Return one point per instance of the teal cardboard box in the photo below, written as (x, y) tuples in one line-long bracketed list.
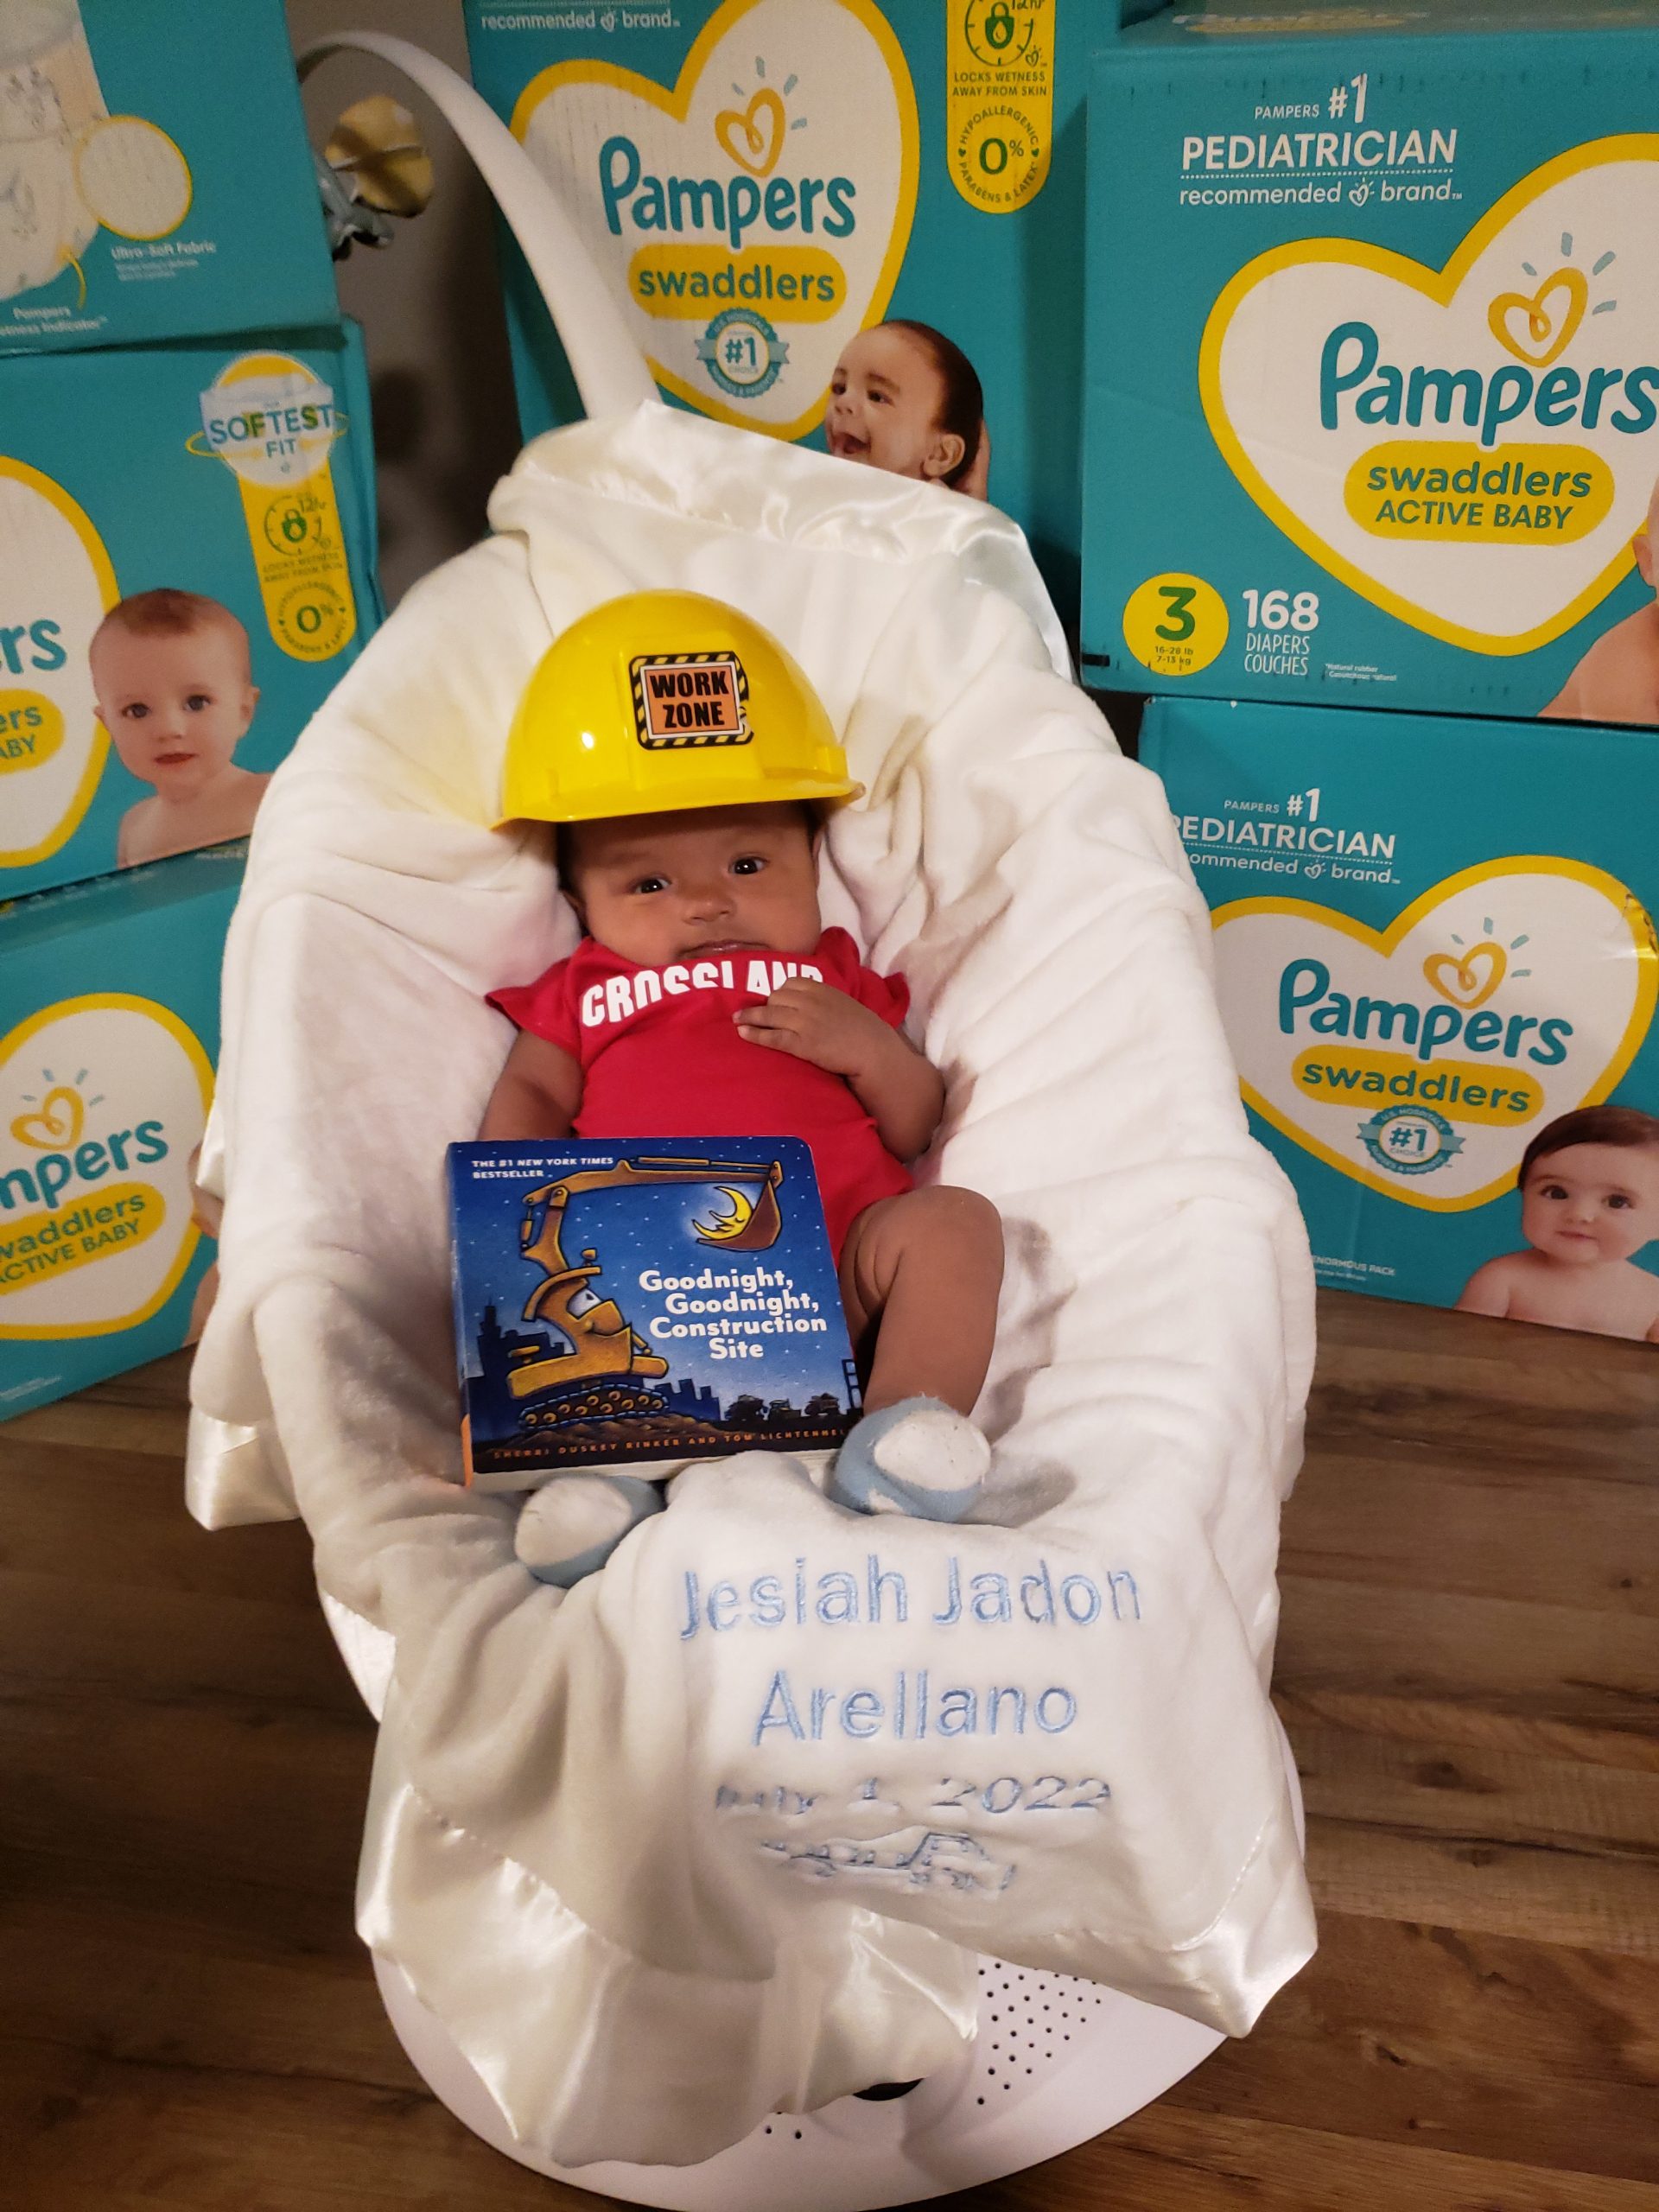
[(219, 498), (154, 177), (109, 1030), (762, 179), (1373, 357), (1436, 965)]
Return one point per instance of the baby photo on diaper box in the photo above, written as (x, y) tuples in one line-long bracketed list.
[(187, 551), (620, 1304), (109, 1030), (1373, 408), (1437, 967), (154, 177), (835, 220)]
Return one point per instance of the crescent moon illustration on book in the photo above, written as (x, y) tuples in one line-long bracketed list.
[(723, 1228)]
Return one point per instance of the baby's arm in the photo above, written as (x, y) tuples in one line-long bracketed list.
[(900, 1091), (1487, 1290), (537, 1093)]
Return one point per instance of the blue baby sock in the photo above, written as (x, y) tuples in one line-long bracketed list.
[(919, 1457), (570, 1527)]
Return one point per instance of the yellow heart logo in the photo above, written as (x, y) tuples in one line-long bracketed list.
[(1476, 974), (1550, 336), (770, 187), (1330, 1023), (1338, 376), (761, 144), (114, 1207), (57, 1126), (49, 551)]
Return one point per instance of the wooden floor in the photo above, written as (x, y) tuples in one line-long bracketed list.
[(1469, 1669)]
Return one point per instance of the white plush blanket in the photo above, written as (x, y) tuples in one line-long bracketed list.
[(651, 1857)]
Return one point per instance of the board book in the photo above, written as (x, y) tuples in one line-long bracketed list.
[(642, 1303)]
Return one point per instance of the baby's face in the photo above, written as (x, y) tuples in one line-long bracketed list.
[(885, 398), (1590, 1203), (174, 707), (660, 887)]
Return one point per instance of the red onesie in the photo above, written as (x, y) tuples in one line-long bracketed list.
[(660, 1057)]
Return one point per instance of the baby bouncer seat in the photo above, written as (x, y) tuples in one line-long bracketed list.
[(645, 1867)]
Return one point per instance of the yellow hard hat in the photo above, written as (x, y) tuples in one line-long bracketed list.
[(664, 700)]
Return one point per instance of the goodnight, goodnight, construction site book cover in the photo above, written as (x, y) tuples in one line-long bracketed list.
[(645, 1300)]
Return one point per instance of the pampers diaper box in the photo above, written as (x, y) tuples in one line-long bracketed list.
[(219, 499), (1373, 343), (154, 176), (109, 1028), (762, 179), (1436, 963)]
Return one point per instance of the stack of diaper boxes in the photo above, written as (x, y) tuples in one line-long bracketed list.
[(1372, 443), (184, 436), (761, 179)]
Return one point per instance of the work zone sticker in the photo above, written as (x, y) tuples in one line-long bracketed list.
[(683, 699)]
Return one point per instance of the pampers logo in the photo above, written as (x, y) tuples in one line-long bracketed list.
[(104, 1098), (60, 1120), (682, 204), (757, 212), (1419, 1060), (1522, 383)]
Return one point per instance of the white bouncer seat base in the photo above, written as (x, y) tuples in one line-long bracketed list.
[(1056, 2062)]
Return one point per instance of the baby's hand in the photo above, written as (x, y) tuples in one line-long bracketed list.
[(899, 1090), (816, 1022)]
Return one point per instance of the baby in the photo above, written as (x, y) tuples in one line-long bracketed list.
[(1589, 1187), (174, 683), (1617, 680), (697, 907), (904, 399)]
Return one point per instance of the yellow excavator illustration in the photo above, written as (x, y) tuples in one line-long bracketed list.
[(591, 1378)]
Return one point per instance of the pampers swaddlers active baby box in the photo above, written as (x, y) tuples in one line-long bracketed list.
[(1382, 428), (827, 1766)]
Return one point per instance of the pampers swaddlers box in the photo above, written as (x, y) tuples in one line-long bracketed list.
[(763, 178), (1373, 408), (1434, 941), (109, 1029), (238, 471), (154, 177)]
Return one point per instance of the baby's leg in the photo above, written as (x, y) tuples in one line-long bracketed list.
[(919, 1277)]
